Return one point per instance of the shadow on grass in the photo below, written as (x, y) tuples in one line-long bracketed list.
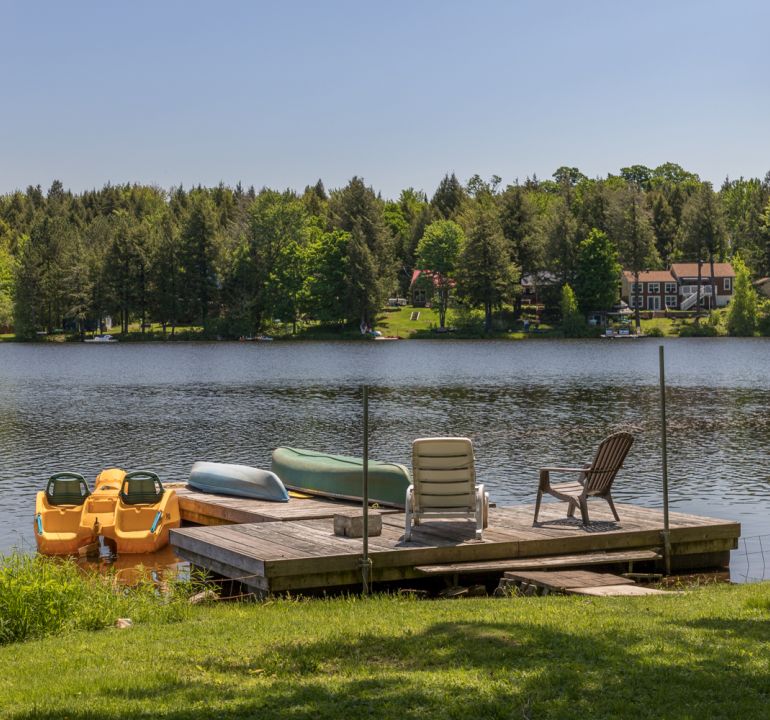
[(459, 670)]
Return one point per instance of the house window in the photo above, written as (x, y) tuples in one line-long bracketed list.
[(653, 288), (636, 301), (637, 288), (670, 289), (653, 302), (728, 283), (671, 301)]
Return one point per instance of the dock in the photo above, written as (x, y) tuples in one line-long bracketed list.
[(278, 547)]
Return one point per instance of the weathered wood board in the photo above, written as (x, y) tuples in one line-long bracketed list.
[(302, 552), (210, 509)]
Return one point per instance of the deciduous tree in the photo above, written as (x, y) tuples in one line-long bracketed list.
[(438, 251), (598, 273)]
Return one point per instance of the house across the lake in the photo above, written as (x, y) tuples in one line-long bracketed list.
[(535, 285), (677, 288), (423, 285)]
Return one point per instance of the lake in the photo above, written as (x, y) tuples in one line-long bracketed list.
[(524, 404)]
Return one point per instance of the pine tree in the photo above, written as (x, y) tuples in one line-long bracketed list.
[(449, 197), (634, 237), (356, 210), (199, 257), (486, 276)]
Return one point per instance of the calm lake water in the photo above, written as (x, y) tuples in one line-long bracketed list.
[(524, 404)]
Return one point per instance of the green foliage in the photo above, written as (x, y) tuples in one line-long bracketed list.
[(439, 251), (742, 312), (573, 322), (449, 197), (199, 259), (42, 596), (326, 286), (485, 274), (696, 330), (369, 273), (598, 273), (519, 223), (230, 260)]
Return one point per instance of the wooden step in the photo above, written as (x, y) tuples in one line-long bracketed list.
[(573, 582), (541, 563)]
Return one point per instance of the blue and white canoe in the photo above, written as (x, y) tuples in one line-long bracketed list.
[(237, 480)]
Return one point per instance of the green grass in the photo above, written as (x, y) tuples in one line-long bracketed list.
[(698, 655), (42, 596)]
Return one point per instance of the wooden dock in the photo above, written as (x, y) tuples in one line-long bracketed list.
[(274, 547)]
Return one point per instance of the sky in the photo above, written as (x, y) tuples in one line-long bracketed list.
[(398, 92)]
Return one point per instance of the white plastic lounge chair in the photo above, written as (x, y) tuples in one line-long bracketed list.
[(444, 483)]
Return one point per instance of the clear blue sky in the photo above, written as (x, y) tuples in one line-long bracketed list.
[(399, 92)]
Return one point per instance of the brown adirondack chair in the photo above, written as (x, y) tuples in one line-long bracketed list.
[(594, 480)]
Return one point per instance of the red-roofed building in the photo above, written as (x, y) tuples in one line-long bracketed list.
[(423, 285), (677, 288), (686, 275), (656, 290)]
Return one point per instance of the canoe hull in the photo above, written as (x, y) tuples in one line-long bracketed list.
[(237, 480), (340, 476)]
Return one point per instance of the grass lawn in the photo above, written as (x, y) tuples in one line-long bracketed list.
[(699, 655), (397, 321)]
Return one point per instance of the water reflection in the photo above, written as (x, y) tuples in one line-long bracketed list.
[(524, 404)]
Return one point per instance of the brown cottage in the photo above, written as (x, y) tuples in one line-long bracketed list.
[(657, 290), (677, 289)]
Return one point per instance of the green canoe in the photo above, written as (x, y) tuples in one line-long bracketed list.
[(338, 476)]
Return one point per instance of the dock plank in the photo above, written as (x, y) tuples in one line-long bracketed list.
[(557, 561)]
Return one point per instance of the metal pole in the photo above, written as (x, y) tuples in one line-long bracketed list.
[(664, 449), (365, 494)]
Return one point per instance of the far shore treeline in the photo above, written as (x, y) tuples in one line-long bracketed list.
[(232, 260)]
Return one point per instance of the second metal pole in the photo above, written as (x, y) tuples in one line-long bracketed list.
[(365, 494), (664, 449)]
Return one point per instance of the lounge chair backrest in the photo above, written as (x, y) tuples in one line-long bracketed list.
[(443, 474), (141, 487), (608, 460), (67, 488)]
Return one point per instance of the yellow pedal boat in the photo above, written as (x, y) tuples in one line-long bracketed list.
[(144, 514), (59, 515), (131, 511)]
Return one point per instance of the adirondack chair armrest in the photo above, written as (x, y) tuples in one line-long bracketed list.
[(565, 469)]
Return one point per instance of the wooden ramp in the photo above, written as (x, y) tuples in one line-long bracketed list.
[(304, 554), (574, 582)]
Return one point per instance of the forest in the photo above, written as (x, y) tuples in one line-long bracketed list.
[(232, 261)]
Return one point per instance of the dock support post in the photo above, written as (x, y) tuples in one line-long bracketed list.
[(365, 563), (664, 450)]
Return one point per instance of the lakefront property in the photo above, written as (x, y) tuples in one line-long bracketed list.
[(678, 287)]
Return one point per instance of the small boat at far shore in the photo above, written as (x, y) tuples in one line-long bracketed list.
[(339, 476), (101, 339), (237, 480)]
